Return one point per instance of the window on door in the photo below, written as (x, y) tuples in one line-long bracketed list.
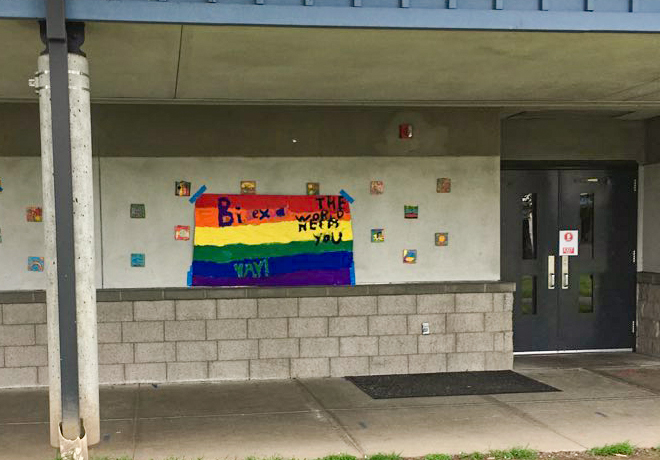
[(529, 226)]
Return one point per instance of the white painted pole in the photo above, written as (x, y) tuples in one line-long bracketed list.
[(83, 207)]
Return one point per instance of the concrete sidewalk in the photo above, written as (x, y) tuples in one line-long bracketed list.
[(604, 399)]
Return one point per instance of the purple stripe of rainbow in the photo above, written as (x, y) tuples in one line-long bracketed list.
[(302, 278)]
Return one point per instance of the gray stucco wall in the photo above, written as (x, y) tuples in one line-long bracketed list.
[(650, 223), (466, 213), (462, 144), (257, 131), (573, 138), (470, 214), (319, 131), (21, 182), (653, 140)]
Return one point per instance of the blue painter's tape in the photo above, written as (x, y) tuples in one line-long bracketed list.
[(190, 278), (349, 198), (197, 194)]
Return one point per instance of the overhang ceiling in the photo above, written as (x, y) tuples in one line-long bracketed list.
[(229, 64)]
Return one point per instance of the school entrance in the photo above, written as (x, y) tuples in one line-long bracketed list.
[(569, 238)]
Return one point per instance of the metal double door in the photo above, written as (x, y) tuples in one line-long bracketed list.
[(577, 302)]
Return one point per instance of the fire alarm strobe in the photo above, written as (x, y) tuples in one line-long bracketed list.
[(405, 131)]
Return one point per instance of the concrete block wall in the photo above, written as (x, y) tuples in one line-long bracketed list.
[(648, 314), (23, 350), (274, 337)]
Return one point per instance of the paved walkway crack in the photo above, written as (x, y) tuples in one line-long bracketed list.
[(331, 418), (525, 416)]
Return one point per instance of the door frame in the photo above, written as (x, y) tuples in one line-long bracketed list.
[(533, 165)]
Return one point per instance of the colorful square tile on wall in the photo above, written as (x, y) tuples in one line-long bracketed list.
[(377, 235), (410, 256), (313, 188), (137, 260), (182, 232), (35, 264), (377, 187), (182, 188), (444, 185), (248, 187), (410, 212), (33, 214), (442, 239), (138, 211)]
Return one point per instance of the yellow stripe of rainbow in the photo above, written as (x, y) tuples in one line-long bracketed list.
[(281, 232)]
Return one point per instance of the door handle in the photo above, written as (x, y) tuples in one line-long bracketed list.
[(551, 272), (565, 278)]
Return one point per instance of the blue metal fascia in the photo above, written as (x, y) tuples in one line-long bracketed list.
[(22, 9), (326, 16)]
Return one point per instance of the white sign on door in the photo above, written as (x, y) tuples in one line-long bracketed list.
[(568, 243)]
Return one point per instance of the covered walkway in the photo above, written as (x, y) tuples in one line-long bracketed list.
[(605, 398)]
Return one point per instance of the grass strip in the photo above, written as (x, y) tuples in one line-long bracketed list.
[(622, 448), (517, 453), (339, 457), (381, 456), (438, 457)]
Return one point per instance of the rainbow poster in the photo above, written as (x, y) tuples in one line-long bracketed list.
[(272, 240)]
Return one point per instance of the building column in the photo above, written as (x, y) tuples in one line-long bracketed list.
[(83, 243)]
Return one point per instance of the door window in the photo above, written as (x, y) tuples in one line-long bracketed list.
[(586, 297), (587, 225), (529, 226), (528, 295)]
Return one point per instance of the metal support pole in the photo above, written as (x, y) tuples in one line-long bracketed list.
[(57, 43), (83, 224)]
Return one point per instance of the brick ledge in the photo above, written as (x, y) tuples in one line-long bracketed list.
[(115, 295)]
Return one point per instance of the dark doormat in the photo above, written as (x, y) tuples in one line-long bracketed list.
[(447, 384)]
